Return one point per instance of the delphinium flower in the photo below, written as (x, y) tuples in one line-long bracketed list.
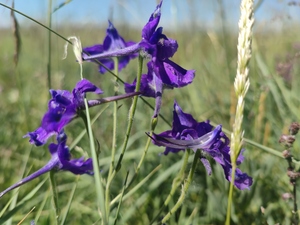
[(63, 107), (162, 72), (112, 41), (60, 160), (187, 133)]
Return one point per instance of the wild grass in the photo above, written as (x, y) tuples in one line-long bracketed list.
[(271, 104)]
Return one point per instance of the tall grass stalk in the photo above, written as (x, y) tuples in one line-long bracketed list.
[(241, 86)]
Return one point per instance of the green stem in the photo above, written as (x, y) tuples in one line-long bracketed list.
[(176, 182), (185, 188), (121, 198), (114, 140), (229, 203), (131, 116), (55, 196), (97, 175)]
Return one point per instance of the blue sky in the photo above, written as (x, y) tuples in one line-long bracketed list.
[(206, 13)]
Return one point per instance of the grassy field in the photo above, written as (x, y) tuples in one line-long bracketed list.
[(272, 103)]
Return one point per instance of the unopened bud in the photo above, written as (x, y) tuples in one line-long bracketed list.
[(286, 154), (287, 140), (286, 196), (294, 128)]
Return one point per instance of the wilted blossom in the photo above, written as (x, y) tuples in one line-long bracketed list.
[(60, 160), (187, 133), (112, 41), (62, 108)]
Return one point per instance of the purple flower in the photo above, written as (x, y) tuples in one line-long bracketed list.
[(62, 108), (60, 160), (188, 133), (112, 41), (162, 72)]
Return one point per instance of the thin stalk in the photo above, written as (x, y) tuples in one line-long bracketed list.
[(49, 43), (70, 201), (295, 212), (131, 116), (55, 195), (121, 198), (185, 188), (114, 139), (30, 18), (230, 194), (97, 175), (176, 182)]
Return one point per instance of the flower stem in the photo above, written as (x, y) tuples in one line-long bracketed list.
[(55, 196), (229, 203), (114, 140), (176, 182), (185, 188), (97, 175), (131, 116)]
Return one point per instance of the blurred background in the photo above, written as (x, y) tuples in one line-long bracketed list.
[(206, 32)]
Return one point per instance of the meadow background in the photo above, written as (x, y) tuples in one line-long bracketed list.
[(272, 103)]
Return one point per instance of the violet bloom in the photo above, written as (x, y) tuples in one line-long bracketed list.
[(162, 72), (112, 41), (60, 160), (62, 108), (188, 133)]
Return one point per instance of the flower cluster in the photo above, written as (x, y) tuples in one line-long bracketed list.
[(186, 133)]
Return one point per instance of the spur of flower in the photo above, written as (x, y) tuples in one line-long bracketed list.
[(187, 133), (112, 41), (60, 160), (63, 107)]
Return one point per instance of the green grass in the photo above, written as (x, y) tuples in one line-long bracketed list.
[(271, 105)]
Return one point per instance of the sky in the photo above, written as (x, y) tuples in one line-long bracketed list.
[(175, 13)]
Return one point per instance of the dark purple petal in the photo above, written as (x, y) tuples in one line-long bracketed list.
[(241, 180), (182, 120), (150, 27), (93, 50), (84, 86), (146, 88), (172, 75), (111, 44)]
